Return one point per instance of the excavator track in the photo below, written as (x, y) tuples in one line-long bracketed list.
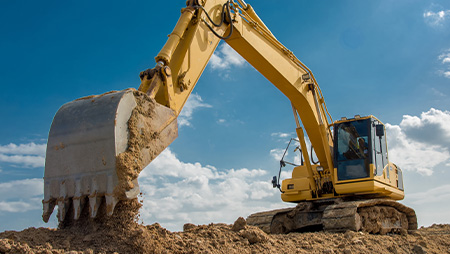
[(377, 216), (263, 220)]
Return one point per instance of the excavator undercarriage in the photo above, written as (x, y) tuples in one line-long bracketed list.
[(377, 216)]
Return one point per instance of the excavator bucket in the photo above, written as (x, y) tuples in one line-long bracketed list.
[(97, 147)]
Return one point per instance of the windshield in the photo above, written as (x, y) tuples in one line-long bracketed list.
[(353, 141), (352, 152)]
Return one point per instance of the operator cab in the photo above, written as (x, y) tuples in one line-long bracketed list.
[(359, 146)]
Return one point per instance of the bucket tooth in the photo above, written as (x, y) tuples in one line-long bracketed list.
[(94, 204), (78, 205), (63, 201), (63, 206), (78, 200), (48, 206), (111, 200), (111, 203)]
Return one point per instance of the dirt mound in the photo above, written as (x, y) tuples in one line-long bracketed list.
[(122, 234)]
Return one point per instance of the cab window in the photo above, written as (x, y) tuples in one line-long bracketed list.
[(352, 152)]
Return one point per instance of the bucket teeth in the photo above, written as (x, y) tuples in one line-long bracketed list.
[(94, 204), (48, 209)]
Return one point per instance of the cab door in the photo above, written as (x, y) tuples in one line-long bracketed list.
[(380, 148)]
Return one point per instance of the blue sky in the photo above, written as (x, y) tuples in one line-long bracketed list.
[(387, 58)]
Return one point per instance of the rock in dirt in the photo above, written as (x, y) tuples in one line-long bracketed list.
[(417, 249), (239, 224), (254, 235), (188, 226)]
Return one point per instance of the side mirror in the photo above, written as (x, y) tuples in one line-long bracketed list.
[(379, 129), (274, 182)]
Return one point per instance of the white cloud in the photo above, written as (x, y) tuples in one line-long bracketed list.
[(444, 58), (434, 195), (193, 103), (177, 192), (168, 165), (28, 149), (420, 143), (24, 160), (277, 153), (13, 207), (436, 18), (282, 135), (432, 127), (26, 155), (21, 188), (431, 205), (21, 195), (225, 57)]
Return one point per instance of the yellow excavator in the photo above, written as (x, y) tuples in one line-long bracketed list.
[(98, 145)]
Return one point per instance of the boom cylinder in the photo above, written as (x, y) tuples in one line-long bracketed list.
[(174, 38)]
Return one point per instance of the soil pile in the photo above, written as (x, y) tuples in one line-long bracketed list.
[(122, 234)]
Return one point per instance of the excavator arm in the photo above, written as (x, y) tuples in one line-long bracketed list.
[(98, 145)]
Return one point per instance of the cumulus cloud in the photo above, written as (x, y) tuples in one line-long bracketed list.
[(436, 17), (177, 192), (193, 103), (420, 143), (21, 195), (225, 57), (26, 155), (432, 127)]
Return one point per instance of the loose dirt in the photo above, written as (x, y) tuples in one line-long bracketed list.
[(151, 129), (122, 234), (130, 163)]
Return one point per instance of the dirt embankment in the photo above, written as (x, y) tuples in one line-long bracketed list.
[(121, 234)]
